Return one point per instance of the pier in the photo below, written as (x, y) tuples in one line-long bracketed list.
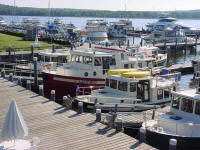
[(61, 128)]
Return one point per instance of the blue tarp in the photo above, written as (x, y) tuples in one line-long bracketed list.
[(52, 27)]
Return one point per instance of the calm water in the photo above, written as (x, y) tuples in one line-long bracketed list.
[(137, 23)]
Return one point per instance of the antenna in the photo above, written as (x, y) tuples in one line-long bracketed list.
[(49, 9)]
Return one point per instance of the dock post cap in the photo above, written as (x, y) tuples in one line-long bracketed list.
[(98, 111), (142, 130), (119, 120), (10, 74), (64, 97), (173, 142), (53, 91), (80, 103), (41, 87), (35, 58)]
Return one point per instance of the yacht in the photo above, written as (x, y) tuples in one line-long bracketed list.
[(181, 122), (167, 21), (2, 22), (131, 86), (47, 60), (149, 54), (166, 34), (96, 30), (117, 30)]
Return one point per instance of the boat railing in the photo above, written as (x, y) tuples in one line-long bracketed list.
[(87, 90)]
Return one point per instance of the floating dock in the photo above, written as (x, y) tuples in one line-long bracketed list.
[(60, 128)]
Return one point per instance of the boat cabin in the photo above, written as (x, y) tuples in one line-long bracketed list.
[(135, 85)]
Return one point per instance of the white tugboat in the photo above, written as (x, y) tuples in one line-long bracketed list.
[(129, 86), (182, 122)]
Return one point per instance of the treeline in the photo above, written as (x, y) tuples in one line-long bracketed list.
[(61, 12)]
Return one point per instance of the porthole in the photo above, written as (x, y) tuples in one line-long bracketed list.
[(94, 73), (86, 74)]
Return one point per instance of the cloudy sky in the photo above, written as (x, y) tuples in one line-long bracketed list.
[(132, 5)]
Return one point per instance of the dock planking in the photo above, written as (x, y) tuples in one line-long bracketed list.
[(59, 128)]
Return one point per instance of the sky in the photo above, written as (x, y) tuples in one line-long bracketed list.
[(129, 5)]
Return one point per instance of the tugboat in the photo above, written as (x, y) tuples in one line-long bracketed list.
[(131, 86), (182, 122)]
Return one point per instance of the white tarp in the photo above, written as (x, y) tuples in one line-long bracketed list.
[(14, 125)]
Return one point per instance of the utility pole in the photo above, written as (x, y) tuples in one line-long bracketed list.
[(13, 10)]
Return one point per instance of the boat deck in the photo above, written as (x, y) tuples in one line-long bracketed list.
[(59, 128)]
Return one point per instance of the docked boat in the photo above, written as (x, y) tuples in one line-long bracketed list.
[(162, 34), (167, 21), (96, 30), (47, 60), (182, 122), (2, 22), (86, 69), (117, 30), (131, 86), (146, 55)]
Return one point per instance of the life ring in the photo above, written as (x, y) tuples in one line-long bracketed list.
[(47, 66)]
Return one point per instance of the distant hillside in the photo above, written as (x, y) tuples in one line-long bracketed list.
[(67, 12)]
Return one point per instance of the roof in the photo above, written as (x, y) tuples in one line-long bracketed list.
[(56, 54), (188, 93), (90, 53)]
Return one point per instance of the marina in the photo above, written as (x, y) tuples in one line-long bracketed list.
[(82, 78)]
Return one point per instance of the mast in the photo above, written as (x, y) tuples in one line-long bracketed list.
[(49, 9), (13, 11)]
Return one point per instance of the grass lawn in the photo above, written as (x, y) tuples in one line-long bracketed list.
[(16, 42)]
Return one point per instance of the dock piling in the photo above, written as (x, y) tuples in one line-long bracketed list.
[(32, 52), (3, 74), (80, 107), (53, 48), (53, 95), (41, 90), (28, 85), (172, 144), (9, 52), (10, 77), (142, 134), (153, 114), (94, 108), (98, 115), (119, 124), (19, 81), (35, 72)]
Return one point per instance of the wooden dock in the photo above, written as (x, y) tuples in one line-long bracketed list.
[(59, 128)]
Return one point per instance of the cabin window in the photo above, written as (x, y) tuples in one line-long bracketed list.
[(132, 87), (73, 58), (197, 109), (107, 82), (78, 59), (175, 102), (47, 59), (112, 61), (54, 59), (187, 105), (160, 94), (113, 84), (126, 66), (97, 61), (122, 86), (87, 60), (140, 65), (132, 66), (166, 93)]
